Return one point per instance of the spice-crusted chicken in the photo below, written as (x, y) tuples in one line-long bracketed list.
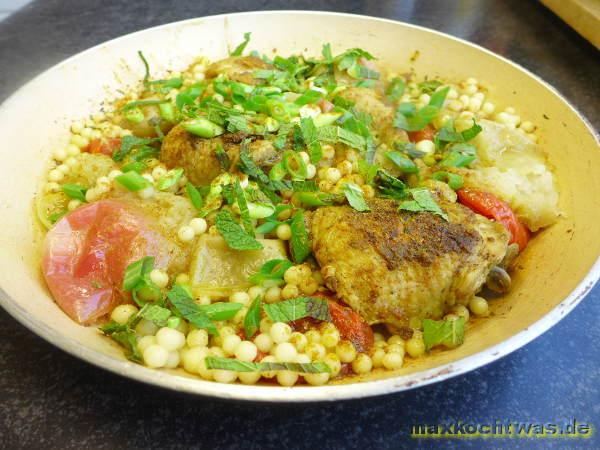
[(198, 158), (237, 68), (391, 266)]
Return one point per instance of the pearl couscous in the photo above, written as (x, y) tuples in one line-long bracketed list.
[(291, 220)]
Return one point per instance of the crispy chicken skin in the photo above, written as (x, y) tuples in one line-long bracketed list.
[(237, 68), (198, 158), (391, 266)]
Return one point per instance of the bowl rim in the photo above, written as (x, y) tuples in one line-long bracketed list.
[(301, 393)]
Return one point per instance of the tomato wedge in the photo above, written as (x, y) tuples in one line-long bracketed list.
[(490, 206), (106, 147), (426, 133), (352, 327), (86, 254)]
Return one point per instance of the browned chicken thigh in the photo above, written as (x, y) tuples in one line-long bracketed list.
[(392, 266)]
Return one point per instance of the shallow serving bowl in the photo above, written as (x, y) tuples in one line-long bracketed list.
[(556, 271)]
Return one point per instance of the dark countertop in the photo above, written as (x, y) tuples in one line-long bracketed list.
[(49, 399)]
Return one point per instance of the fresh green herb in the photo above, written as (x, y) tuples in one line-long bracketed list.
[(260, 210), (241, 47), (185, 306), (422, 201), (134, 115), (126, 337), (252, 318), (214, 362), (170, 179), (234, 235), (194, 196), (310, 135), (334, 134), (74, 191), (221, 310), (299, 242), (454, 180), (403, 163), (298, 308), (354, 195), (449, 333), (189, 96), (459, 155), (155, 313), (310, 96), (390, 186), (140, 103), (395, 89), (448, 134), (367, 171), (133, 181), (272, 270), (137, 273), (243, 206), (410, 119), (146, 66), (317, 198), (429, 86), (128, 143)]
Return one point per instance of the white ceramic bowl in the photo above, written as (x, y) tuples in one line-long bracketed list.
[(556, 271)]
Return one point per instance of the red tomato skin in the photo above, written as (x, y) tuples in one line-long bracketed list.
[(106, 147), (426, 133), (490, 206), (351, 326), (86, 254)]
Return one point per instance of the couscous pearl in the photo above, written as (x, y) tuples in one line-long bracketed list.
[(122, 313), (452, 94), (311, 171), (298, 340), (464, 99), (293, 275), (471, 80), (345, 167), (346, 351), (246, 351), (328, 151), (114, 174), (377, 356), (73, 204), (309, 286), (316, 379), (52, 187), (265, 325), (144, 342), (146, 193), (474, 104), (79, 141), (380, 344), (395, 348), (263, 342), (285, 352), (313, 336), (217, 351), (488, 108), (76, 127), (287, 377), (59, 154), (146, 328), (191, 358), (461, 311), (424, 98), (63, 168), (471, 89), (305, 157), (426, 146), (72, 162), (455, 105), (73, 150), (333, 175), (182, 278), (158, 172), (280, 332), (159, 278), (273, 294), (479, 306), (378, 337), (197, 338), (315, 350), (55, 175), (239, 297), (393, 361), (330, 338), (155, 356), (204, 371), (527, 126), (395, 339), (224, 376), (230, 343), (362, 364), (186, 233), (415, 347), (173, 360), (199, 225), (510, 110), (284, 232), (249, 377), (334, 363), (290, 291), (203, 300), (255, 291), (170, 339)]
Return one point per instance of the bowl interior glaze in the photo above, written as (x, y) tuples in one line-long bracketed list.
[(553, 274)]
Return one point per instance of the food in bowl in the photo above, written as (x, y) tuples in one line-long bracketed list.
[(291, 218)]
